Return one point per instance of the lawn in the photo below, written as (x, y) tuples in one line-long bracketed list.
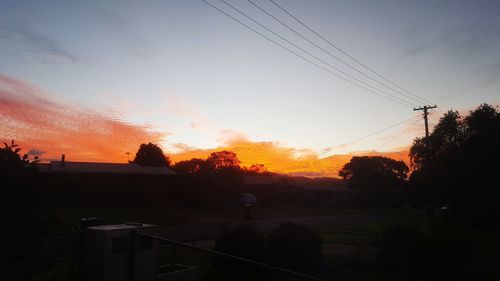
[(480, 248)]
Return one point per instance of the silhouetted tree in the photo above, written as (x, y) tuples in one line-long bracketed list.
[(459, 162), (190, 167), (151, 155), (256, 169), (18, 179), (442, 143), (214, 181), (10, 159), (375, 177), (223, 159), (13, 166), (224, 166)]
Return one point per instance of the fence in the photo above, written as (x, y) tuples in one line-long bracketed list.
[(215, 265)]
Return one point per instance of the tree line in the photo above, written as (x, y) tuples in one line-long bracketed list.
[(456, 165)]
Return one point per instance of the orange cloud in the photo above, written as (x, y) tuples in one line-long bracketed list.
[(37, 123), (43, 126), (286, 160)]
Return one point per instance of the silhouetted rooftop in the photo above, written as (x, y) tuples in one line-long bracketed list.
[(102, 168)]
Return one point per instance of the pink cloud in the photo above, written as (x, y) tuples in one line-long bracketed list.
[(33, 119)]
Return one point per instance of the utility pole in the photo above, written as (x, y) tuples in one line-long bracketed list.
[(424, 109)]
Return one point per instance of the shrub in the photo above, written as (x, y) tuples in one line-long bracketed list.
[(243, 241), (404, 250), (295, 247), (400, 247)]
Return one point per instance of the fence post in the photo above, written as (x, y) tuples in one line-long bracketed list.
[(132, 254)]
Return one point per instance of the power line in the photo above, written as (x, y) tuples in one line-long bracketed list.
[(315, 57), (389, 97), (378, 132), (346, 54), (397, 137), (330, 54)]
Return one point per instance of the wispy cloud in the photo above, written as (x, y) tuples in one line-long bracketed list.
[(179, 106), (35, 151), (229, 136), (28, 115), (121, 26), (36, 45)]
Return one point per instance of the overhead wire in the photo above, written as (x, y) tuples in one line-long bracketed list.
[(397, 137), (405, 103), (369, 89), (348, 55), (315, 57), (330, 54), (379, 131)]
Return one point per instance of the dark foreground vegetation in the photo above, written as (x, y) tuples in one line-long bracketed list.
[(454, 180)]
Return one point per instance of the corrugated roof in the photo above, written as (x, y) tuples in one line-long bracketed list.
[(103, 168)]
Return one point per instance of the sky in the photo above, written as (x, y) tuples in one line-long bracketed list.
[(94, 79)]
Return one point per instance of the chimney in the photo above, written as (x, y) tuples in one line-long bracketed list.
[(63, 158)]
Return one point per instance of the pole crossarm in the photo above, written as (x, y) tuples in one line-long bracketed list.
[(425, 109)]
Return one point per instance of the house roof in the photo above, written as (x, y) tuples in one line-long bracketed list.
[(102, 168)]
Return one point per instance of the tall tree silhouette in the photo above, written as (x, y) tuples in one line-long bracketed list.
[(459, 162), (151, 155), (374, 177), (223, 159)]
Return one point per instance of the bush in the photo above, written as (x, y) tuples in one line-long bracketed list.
[(296, 247), (443, 257), (243, 241), (404, 251), (400, 247)]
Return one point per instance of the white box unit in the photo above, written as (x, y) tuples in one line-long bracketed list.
[(107, 253)]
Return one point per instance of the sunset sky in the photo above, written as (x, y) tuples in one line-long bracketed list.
[(94, 79)]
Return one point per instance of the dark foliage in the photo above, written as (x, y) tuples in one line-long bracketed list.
[(151, 155), (18, 177), (376, 178), (257, 169), (243, 241), (443, 257), (405, 251), (296, 247), (400, 247), (12, 164), (191, 167), (458, 163), (223, 159), (213, 182)]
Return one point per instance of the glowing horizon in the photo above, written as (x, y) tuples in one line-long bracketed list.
[(48, 129), (94, 80)]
